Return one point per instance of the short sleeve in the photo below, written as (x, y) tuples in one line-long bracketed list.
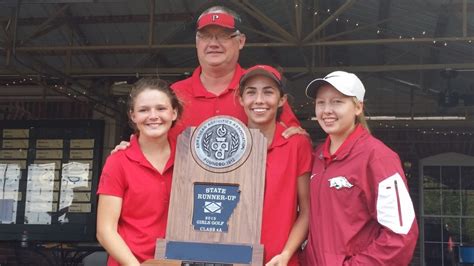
[(112, 180), (305, 155)]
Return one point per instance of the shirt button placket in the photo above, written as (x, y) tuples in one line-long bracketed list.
[(216, 106)]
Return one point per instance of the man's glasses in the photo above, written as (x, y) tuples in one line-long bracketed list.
[(220, 37)]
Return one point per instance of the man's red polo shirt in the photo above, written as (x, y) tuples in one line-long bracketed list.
[(200, 104)]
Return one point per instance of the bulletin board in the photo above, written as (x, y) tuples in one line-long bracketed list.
[(49, 172)]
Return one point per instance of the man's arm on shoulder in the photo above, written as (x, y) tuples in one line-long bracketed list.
[(122, 145)]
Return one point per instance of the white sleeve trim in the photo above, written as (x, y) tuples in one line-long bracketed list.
[(394, 205)]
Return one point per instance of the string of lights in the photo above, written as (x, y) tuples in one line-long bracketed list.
[(301, 108), (388, 33)]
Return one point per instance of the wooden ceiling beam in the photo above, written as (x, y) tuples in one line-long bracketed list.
[(260, 16), (464, 18), (82, 39), (47, 25), (166, 17), (91, 72), (151, 23), (298, 10), (147, 48), (330, 19)]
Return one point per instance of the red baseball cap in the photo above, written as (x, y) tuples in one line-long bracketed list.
[(262, 70), (219, 19)]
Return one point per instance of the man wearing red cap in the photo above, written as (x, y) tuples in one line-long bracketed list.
[(210, 91)]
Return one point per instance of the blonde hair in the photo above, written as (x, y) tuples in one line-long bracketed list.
[(360, 119)]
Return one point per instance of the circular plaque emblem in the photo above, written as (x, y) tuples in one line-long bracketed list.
[(221, 144)]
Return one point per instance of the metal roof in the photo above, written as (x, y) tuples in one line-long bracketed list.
[(399, 48)]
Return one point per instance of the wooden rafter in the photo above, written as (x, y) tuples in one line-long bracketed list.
[(146, 48), (361, 28), (100, 72), (155, 58), (464, 18), (297, 25), (151, 23), (81, 38), (441, 29), (268, 35), (260, 16), (47, 25), (384, 14), (331, 18), (298, 18), (7, 43), (315, 50), (258, 28), (143, 18), (7, 29), (157, 55), (4, 35), (392, 41)]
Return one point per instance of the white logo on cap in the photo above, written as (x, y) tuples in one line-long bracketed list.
[(215, 17), (330, 76)]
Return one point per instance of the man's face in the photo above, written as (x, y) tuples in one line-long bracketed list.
[(218, 47)]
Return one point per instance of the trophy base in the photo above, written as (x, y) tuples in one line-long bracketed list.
[(162, 262), (201, 253)]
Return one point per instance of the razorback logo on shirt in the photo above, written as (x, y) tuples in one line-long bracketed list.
[(339, 182)]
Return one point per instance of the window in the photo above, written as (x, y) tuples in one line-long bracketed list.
[(447, 218)]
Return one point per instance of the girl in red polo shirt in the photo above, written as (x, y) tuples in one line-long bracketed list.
[(135, 184), (286, 200), (361, 212)]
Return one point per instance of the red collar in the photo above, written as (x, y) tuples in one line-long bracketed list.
[(134, 153), (278, 139), (200, 91), (346, 146)]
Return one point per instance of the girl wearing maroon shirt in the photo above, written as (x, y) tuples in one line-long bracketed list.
[(135, 184), (287, 167), (361, 212)]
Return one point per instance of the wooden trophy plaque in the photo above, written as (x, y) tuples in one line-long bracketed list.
[(215, 213)]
